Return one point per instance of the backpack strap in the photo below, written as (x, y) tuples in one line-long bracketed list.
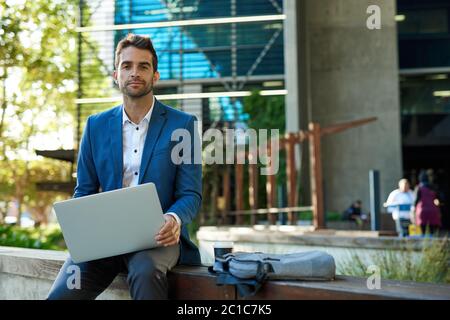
[(245, 287)]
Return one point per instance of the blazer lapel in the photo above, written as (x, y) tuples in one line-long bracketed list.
[(115, 131), (156, 124)]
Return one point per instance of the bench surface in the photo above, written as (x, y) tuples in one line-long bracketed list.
[(193, 283)]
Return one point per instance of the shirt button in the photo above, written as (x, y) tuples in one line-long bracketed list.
[(135, 150), (135, 173), (137, 128)]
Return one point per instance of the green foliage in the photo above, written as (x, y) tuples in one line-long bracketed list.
[(49, 238), (432, 264), (333, 216), (192, 229), (308, 215), (266, 112), (39, 53)]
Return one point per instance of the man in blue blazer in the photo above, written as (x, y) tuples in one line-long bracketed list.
[(126, 146)]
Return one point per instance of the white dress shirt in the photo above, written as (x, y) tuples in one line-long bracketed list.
[(133, 146), (397, 198)]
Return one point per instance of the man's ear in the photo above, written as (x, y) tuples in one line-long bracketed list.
[(156, 77), (114, 75)]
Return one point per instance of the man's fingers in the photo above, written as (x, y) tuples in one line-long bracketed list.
[(165, 240), (166, 227), (165, 237), (165, 232), (168, 238), (172, 233), (168, 241), (169, 233)]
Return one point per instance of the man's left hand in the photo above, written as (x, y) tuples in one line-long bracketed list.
[(169, 234)]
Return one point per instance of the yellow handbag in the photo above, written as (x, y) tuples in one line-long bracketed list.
[(414, 230)]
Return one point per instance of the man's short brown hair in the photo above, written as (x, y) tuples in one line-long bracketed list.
[(137, 41)]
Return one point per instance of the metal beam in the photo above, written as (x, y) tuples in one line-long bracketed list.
[(183, 23)]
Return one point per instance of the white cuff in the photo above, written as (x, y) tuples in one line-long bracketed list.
[(176, 217)]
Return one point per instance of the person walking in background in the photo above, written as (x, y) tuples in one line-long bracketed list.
[(426, 211), (399, 203)]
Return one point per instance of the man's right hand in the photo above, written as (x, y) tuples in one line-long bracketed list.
[(170, 232)]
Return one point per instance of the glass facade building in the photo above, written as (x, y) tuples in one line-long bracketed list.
[(206, 51), (218, 51), (424, 59), (230, 47), (221, 46)]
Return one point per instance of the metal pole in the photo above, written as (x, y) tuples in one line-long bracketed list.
[(374, 185), (80, 88), (316, 176), (79, 75), (181, 53)]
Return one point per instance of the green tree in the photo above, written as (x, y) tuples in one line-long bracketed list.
[(38, 74), (267, 112)]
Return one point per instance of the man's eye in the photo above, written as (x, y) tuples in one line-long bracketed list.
[(126, 66)]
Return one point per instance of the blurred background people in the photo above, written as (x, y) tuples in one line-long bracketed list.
[(354, 213), (399, 203), (426, 211)]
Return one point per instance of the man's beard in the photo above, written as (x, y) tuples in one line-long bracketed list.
[(137, 94)]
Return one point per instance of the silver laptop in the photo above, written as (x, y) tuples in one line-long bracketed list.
[(110, 223)]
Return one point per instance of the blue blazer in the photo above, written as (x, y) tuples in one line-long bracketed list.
[(179, 186)]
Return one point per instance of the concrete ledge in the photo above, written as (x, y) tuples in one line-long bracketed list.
[(28, 274), (306, 236)]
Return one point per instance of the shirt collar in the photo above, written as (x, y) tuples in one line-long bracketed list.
[(147, 116)]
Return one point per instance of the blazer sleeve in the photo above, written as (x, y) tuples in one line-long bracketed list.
[(87, 179), (188, 180)]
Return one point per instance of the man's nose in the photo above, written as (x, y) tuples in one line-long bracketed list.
[(134, 72)]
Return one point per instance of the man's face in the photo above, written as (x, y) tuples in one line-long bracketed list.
[(403, 186), (135, 75)]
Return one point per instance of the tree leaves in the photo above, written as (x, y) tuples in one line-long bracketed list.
[(37, 59)]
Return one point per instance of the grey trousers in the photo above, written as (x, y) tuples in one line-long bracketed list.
[(147, 275)]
